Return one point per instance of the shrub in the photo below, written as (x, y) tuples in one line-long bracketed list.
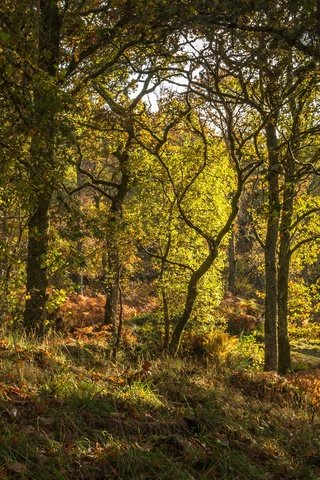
[(243, 315), (214, 346), (248, 353)]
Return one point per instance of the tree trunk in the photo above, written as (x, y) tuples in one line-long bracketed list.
[(191, 298), (270, 326), (284, 357), (213, 247), (165, 303), (111, 285), (114, 263), (120, 324), (78, 275), (37, 282), (284, 360), (232, 262), (42, 168), (166, 319)]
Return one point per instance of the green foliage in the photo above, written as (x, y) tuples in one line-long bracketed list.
[(300, 303), (57, 298), (248, 353), (154, 214), (309, 332), (148, 328)]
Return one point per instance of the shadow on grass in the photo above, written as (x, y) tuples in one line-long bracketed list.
[(88, 355), (307, 350), (304, 358), (182, 423)]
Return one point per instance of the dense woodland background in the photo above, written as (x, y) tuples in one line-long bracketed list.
[(159, 202)]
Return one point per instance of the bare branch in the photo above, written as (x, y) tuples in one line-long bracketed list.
[(303, 242), (164, 259), (304, 216), (89, 185)]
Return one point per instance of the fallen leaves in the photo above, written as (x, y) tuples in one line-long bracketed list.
[(13, 393), (17, 467)]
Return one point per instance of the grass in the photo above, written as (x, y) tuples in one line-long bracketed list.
[(68, 411)]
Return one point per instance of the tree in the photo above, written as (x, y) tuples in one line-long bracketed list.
[(42, 159), (266, 79), (222, 114), (69, 47), (182, 167)]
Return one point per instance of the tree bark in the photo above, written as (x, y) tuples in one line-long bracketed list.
[(111, 285), (120, 324), (37, 282), (289, 189), (42, 168), (284, 357), (78, 275), (232, 262), (270, 326), (165, 303), (166, 319), (114, 262)]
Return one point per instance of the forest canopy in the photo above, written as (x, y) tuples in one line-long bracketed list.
[(163, 158)]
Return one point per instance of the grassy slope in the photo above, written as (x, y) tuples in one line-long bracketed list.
[(66, 411)]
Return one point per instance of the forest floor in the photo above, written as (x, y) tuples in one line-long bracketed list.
[(69, 412)]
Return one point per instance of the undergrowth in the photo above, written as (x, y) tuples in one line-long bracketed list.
[(68, 411)]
